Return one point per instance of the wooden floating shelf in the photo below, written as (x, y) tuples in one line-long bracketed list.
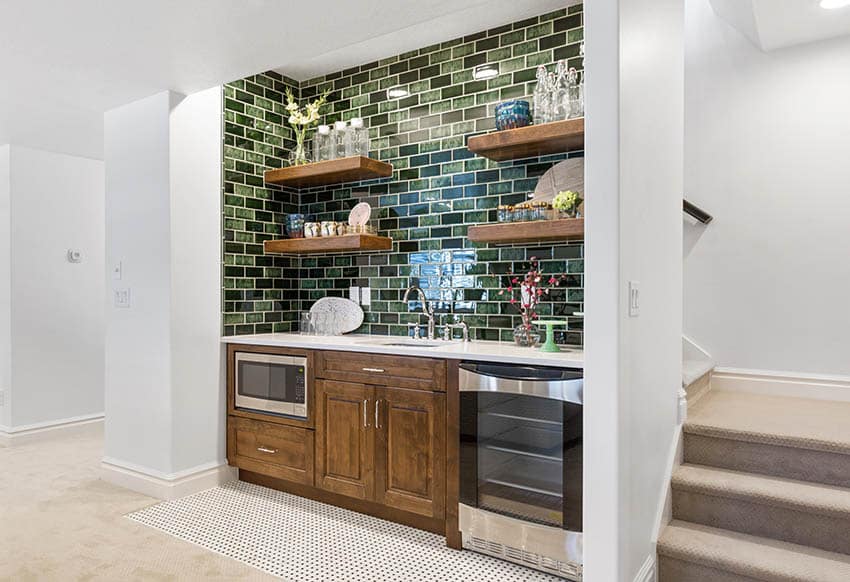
[(329, 244), (526, 142), (537, 231), (353, 169)]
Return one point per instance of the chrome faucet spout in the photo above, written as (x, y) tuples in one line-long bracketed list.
[(427, 308)]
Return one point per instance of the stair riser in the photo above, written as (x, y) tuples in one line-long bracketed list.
[(768, 521), (673, 570), (779, 461)]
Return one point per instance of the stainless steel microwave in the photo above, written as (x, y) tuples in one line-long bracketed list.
[(270, 383)]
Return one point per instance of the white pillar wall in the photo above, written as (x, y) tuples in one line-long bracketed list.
[(165, 395), (634, 176)]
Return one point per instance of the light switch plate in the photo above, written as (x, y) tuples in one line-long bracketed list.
[(365, 296), (121, 298), (354, 293), (117, 271), (634, 298)]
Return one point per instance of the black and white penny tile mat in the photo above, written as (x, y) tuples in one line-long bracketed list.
[(301, 540)]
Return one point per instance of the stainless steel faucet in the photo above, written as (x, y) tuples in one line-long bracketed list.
[(427, 308)]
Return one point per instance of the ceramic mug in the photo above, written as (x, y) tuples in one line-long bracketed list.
[(311, 229), (328, 228)]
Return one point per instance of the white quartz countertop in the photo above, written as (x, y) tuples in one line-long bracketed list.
[(481, 351)]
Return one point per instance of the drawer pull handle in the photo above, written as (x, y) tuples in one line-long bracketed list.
[(376, 370), (267, 450)]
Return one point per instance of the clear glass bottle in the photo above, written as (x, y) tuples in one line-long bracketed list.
[(552, 83), (322, 144), (338, 139), (576, 94), (541, 97), (561, 92), (359, 138)]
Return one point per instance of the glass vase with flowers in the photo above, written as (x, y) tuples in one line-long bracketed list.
[(525, 292), (301, 120)]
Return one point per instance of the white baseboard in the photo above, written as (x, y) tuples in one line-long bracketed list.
[(166, 486), (19, 435), (647, 571), (772, 383)]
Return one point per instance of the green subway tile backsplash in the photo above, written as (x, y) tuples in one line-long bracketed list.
[(437, 189)]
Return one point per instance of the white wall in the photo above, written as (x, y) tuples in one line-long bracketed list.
[(5, 290), (55, 326), (165, 396), (633, 365), (767, 139)]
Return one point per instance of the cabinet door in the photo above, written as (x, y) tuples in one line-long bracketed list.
[(345, 439), (411, 450)]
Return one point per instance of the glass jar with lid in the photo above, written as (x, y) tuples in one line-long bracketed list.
[(357, 143), (338, 139), (322, 144)]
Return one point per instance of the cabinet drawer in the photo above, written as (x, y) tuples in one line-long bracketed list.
[(398, 371), (275, 450)]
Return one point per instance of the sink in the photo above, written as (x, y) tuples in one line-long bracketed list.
[(412, 343)]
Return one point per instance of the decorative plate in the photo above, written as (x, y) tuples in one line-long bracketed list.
[(345, 311), (566, 175), (360, 214)]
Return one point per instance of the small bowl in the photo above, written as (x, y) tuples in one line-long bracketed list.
[(513, 114)]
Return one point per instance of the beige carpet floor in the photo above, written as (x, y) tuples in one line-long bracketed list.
[(59, 521)]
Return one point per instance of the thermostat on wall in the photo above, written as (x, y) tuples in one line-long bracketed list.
[(75, 256)]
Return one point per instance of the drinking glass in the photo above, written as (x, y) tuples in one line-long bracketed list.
[(306, 326), (320, 323), (295, 226)]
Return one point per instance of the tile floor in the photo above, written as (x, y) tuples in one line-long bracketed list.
[(302, 540)]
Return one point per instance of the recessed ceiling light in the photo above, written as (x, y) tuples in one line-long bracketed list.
[(833, 4), (482, 72), (397, 92)]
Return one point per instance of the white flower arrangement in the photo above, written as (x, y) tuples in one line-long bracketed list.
[(301, 120), (310, 113)]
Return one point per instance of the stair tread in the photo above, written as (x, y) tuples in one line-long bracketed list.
[(746, 555), (764, 489), (819, 425)]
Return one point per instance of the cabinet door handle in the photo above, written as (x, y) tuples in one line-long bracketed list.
[(378, 413), (267, 450), (365, 413), (376, 370)]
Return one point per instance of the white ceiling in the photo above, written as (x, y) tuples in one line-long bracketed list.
[(777, 24), (63, 63)]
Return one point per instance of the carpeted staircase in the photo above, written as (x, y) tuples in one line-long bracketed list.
[(763, 494)]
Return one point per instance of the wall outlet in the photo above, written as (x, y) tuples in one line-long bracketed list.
[(354, 293), (365, 296), (634, 299), (121, 298)]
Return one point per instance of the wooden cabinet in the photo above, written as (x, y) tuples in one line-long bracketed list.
[(410, 450), (346, 440), (395, 371), (281, 451), (374, 440), (382, 444)]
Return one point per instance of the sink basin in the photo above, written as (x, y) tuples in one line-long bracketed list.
[(405, 343)]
